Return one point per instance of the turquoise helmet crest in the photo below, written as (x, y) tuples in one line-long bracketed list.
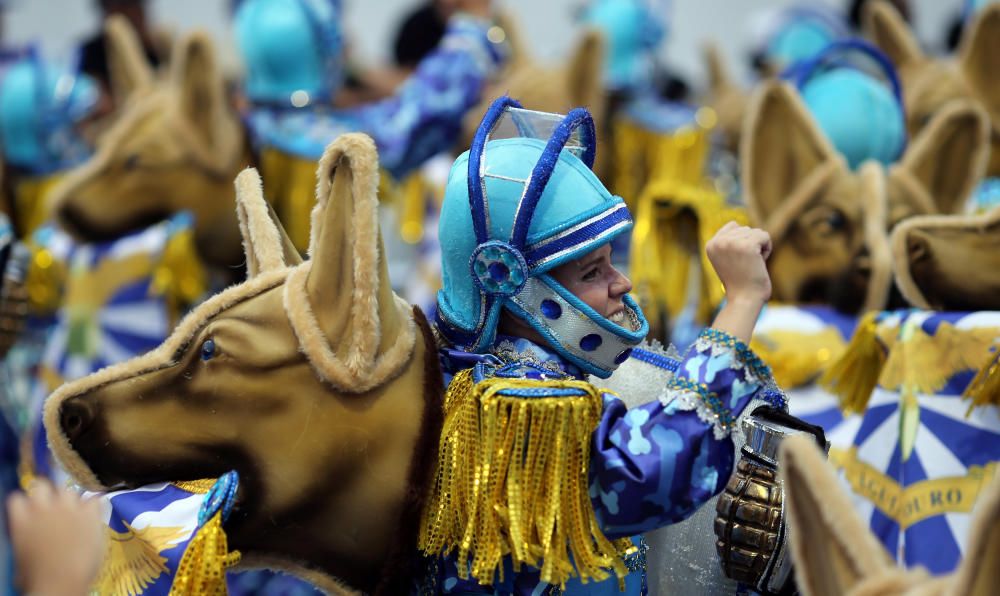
[(633, 30), (798, 33), (520, 202), (292, 50), (40, 107), (852, 91)]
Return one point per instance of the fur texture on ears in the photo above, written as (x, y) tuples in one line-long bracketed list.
[(206, 114), (263, 240), (835, 553), (884, 25), (128, 69), (903, 258), (979, 58), (786, 158), (348, 275), (947, 159)]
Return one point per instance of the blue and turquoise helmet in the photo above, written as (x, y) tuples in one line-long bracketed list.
[(291, 49), (633, 30), (852, 91), (970, 8), (799, 33), (40, 107), (520, 202)]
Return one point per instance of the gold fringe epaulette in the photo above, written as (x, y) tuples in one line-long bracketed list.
[(512, 480), (855, 375), (202, 570)]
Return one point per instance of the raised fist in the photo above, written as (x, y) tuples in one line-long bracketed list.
[(738, 253)]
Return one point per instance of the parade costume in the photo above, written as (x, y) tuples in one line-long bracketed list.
[(518, 179), (292, 88), (930, 84), (41, 106)]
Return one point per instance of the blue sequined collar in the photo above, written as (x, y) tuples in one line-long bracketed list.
[(512, 357)]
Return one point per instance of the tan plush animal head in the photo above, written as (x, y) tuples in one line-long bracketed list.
[(575, 83), (929, 83), (949, 262), (829, 224), (314, 381), (176, 146), (835, 554)]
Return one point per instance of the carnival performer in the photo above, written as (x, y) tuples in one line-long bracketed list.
[(542, 477), (293, 52)]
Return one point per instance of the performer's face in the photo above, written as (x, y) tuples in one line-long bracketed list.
[(594, 280)]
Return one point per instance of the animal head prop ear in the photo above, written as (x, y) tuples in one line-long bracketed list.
[(265, 243), (269, 377), (128, 68), (979, 60), (343, 292), (826, 221), (202, 101), (928, 84), (949, 262), (835, 553), (832, 549), (942, 166), (556, 88), (889, 31), (725, 96)]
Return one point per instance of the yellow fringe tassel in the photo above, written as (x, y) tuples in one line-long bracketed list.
[(854, 376), (202, 570), (984, 390), (512, 479)]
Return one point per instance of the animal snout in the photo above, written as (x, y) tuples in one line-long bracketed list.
[(917, 248), (76, 417)]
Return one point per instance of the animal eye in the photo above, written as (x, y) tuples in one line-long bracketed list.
[(131, 162), (836, 220), (208, 349)]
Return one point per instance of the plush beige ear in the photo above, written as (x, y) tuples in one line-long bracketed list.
[(202, 95), (980, 59), (783, 155), (715, 65), (946, 160), (354, 330), (979, 572), (264, 241), (889, 31), (128, 68), (832, 549), (586, 68)]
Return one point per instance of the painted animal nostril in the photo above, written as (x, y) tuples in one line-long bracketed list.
[(76, 417)]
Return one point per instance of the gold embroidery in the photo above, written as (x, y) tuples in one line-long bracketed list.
[(133, 561), (918, 501)]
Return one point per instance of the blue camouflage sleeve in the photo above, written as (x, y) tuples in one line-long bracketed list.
[(425, 115), (656, 464)]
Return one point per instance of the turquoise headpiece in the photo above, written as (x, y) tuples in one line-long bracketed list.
[(291, 50), (799, 33), (40, 106), (971, 7), (633, 30), (853, 93), (521, 201)]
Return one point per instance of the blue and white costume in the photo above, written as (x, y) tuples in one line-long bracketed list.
[(535, 204)]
